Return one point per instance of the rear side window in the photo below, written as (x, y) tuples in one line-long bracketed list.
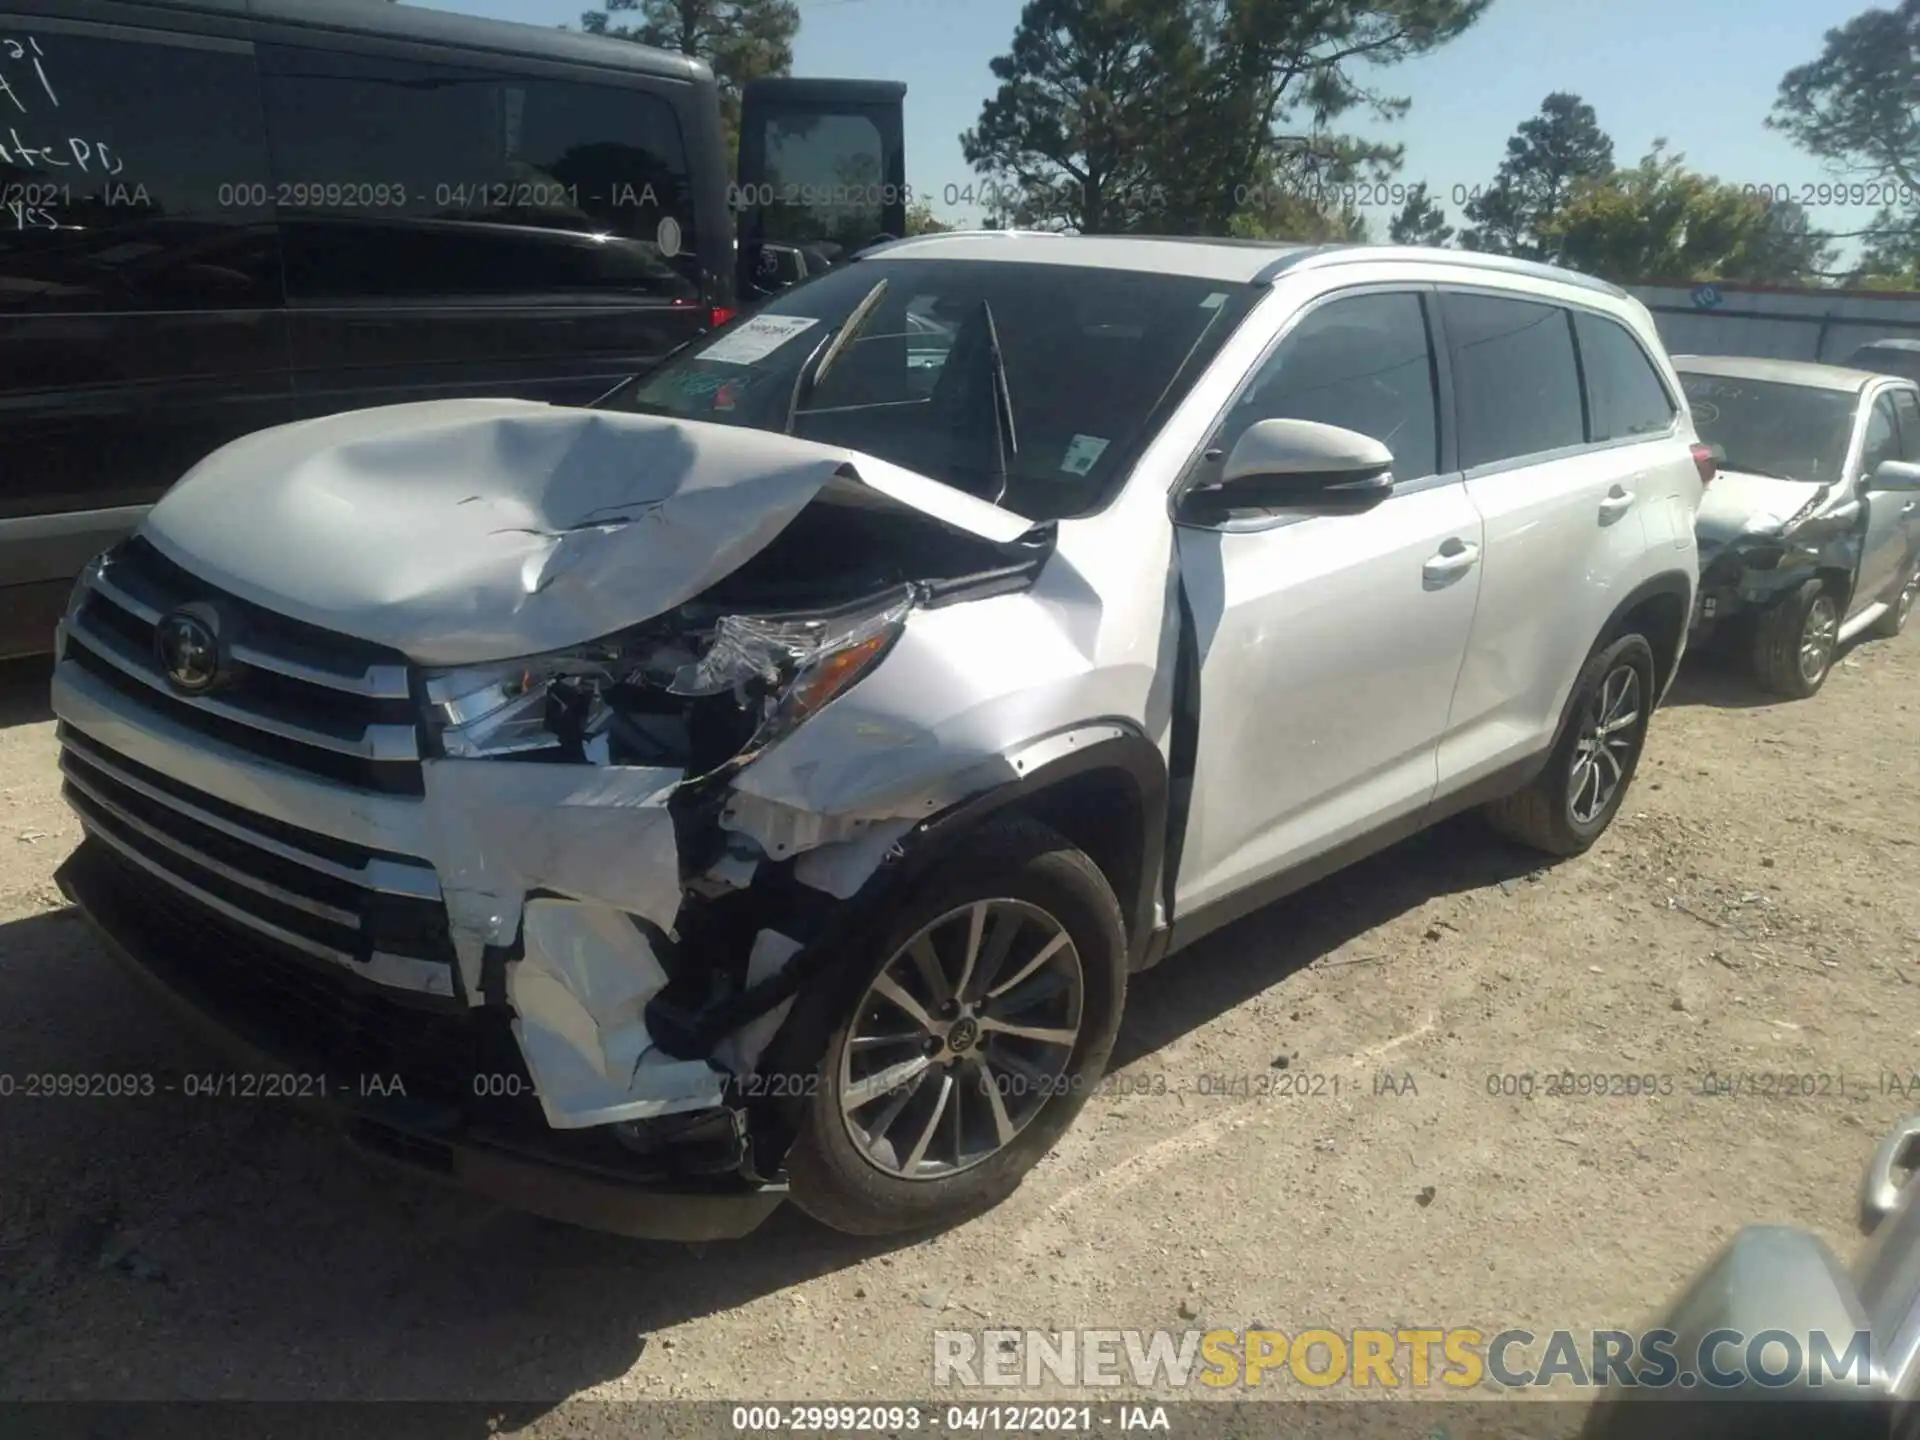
[(1516, 384), (400, 179), (132, 169), (1625, 395)]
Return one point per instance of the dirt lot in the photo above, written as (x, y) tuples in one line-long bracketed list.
[(1756, 910)]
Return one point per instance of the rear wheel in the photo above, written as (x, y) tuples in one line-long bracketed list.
[(1895, 620), (966, 1040), (1571, 802), (1795, 641)]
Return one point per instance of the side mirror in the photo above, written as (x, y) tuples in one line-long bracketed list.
[(1901, 475), (1297, 465), (774, 267)]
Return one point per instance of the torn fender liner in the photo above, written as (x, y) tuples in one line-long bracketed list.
[(592, 832), (579, 997), (461, 531)]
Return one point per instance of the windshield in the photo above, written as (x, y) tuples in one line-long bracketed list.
[(1791, 432), (1087, 360)]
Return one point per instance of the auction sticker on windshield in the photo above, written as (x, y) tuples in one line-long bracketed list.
[(1082, 454), (758, 338)]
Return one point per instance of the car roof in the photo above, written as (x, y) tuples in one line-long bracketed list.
[(1251, 262), (446, 28), (1804, 373)]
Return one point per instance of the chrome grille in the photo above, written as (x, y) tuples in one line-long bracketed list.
[(373, 916), (316, 701)]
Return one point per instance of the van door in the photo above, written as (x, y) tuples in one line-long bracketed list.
[(822, 176)]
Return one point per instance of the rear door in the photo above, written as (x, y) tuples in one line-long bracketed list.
[(822, 175)]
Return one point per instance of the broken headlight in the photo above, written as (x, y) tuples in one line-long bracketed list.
[(610, 701)]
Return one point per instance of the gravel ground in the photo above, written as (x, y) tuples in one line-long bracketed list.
[(1754, 910)]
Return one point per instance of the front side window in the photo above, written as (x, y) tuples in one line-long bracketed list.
[(132, 174), (1626, 396), (1516, 383), (399, 179), (1091, 359), (1362, 364), (1882, 441), (1907, 407), (1767, 428)]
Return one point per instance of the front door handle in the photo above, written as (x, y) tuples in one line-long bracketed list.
[(1454, 558), (1619, 500), (1908, 508)]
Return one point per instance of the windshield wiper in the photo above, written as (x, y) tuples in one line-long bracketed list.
[(828, 352), (1005, 442)]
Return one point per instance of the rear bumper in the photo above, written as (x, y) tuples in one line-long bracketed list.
[(527, 1170)]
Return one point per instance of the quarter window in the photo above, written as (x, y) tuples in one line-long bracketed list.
[(1516, 383), (1625, 395), (1363, 364), (399, 179)]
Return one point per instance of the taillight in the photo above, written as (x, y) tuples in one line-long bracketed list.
[(1703, 462), (719, 315)]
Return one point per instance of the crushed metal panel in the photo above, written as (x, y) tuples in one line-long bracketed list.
[(579, 998), (507, 527), (740, 1052), (497, 830)]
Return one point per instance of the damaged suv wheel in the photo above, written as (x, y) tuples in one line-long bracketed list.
[(966, 1039)]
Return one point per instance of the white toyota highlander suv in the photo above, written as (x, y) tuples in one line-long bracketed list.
[(765, 780)]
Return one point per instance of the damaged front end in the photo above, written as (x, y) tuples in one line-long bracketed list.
[(1747, 567), (575, 891), (594, 845)]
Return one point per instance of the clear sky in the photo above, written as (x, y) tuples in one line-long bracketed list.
[(1701, 73)]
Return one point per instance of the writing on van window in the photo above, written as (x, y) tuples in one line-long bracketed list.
[(30, 51), (29, 98)]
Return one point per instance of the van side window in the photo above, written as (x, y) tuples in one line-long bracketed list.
[(1625, 395), (1363, 364), (1515, 382), (132, 174), (399, 179)]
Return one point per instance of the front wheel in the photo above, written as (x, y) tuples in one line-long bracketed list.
[(1794, 644), (1571, 802), (967, 1037)]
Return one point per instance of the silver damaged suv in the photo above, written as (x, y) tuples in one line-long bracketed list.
[(765, 780)]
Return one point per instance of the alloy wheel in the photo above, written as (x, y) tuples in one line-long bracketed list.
[(1818, 638), (961, 1039), (1608, 733)]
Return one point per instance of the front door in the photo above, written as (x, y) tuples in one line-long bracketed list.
[(1893, 433), (1328, 645), (822, 176)]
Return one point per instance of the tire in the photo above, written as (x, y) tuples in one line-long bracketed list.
[(1895, 620), (1556, 812), (1023, 872), (1795, 641)]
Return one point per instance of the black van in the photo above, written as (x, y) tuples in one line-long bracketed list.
[(218, 215)]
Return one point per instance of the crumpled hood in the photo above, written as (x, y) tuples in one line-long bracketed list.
[(460, 531), (1737, 504)]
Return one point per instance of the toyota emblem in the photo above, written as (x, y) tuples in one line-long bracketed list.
[(188, 642)]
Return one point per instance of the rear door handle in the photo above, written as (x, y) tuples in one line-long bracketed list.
[(1908, 508), (1619, 500), (1455, 557)]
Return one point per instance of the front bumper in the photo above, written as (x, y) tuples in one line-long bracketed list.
[(493, 1145)]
